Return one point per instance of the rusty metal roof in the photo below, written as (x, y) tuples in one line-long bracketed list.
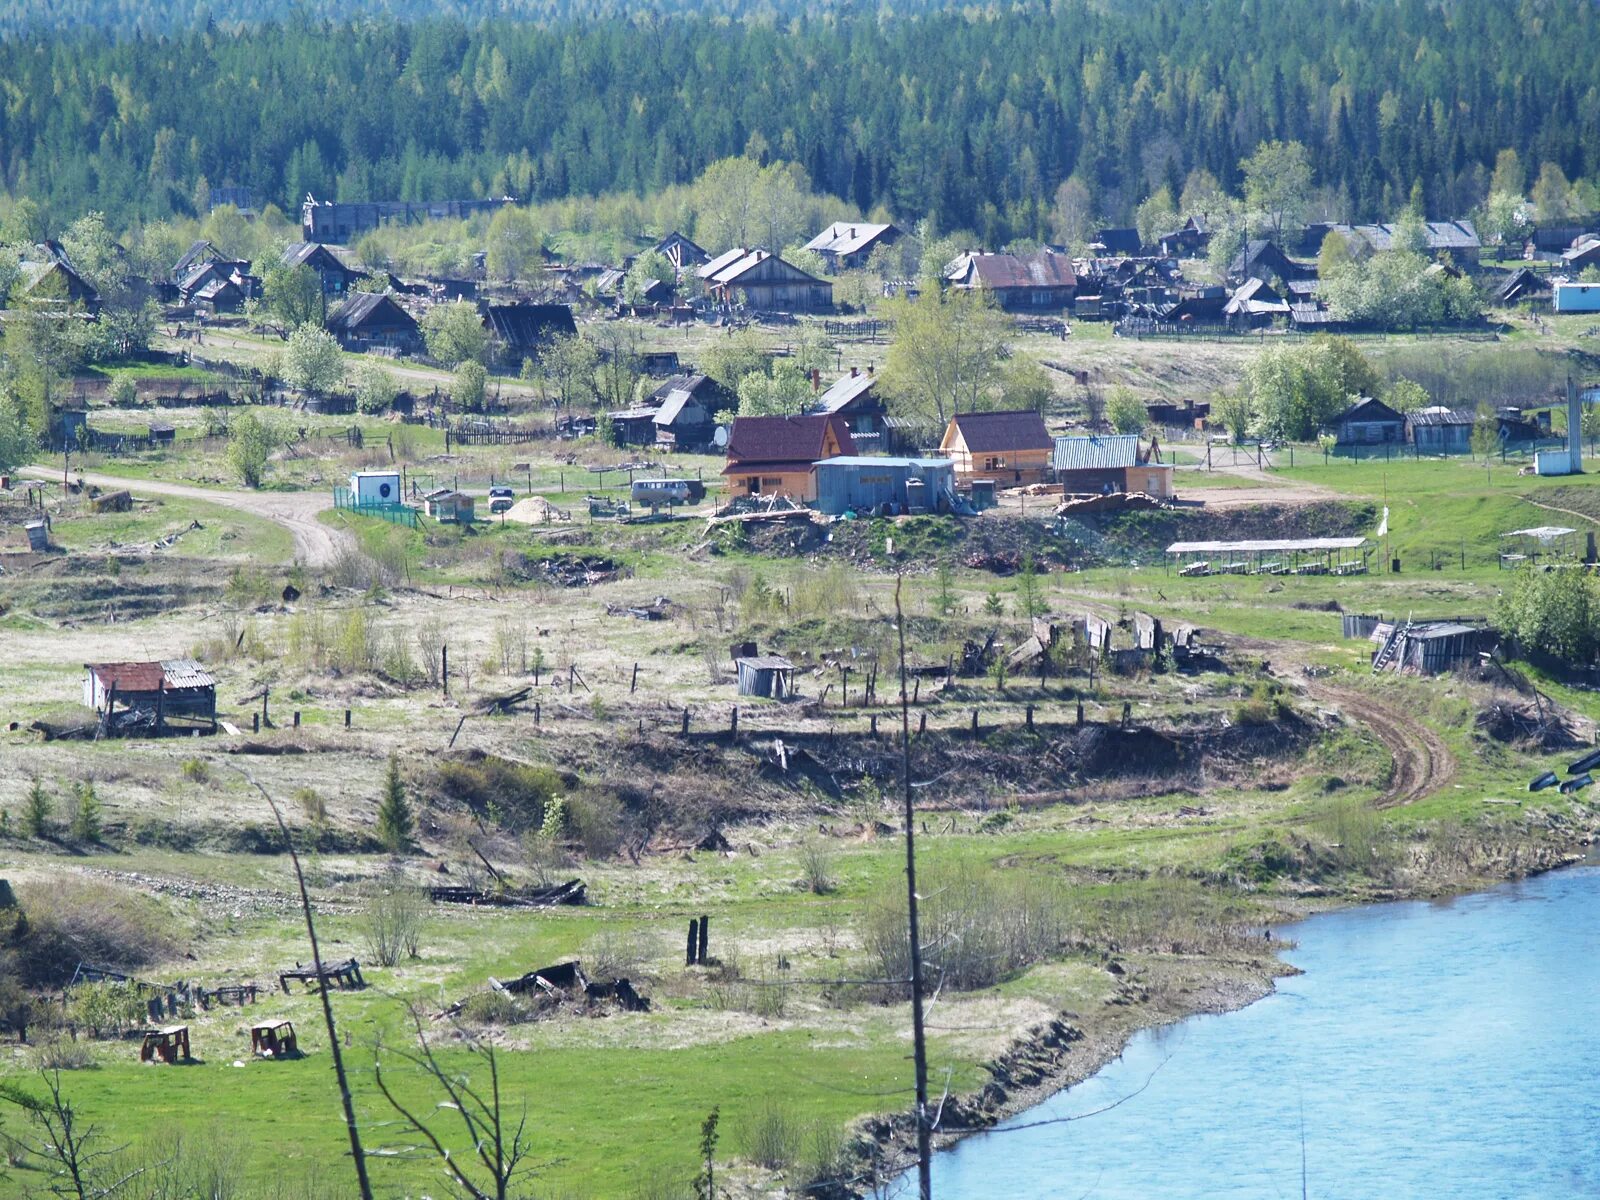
[(151, 676)]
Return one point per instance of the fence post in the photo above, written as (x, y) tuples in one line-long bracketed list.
[(634, 685), (444, 667), (691, 953), (733, 724), (705, 938)]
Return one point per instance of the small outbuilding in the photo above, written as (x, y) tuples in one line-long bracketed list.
[(1576, 297), (374, 488), (886, 486), (1107, 464), (767, 675), (149, 696), (448, 506), (1441, 430), (169, 1045)]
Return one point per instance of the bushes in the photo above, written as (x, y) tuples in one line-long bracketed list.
[(87, 922), (515, 794), (395, 910), (779, 1139), (977, 928)]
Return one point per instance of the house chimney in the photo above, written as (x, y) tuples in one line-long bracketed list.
[(871, 369), (853, 372)]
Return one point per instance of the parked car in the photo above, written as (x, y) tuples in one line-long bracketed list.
[(501, 499)]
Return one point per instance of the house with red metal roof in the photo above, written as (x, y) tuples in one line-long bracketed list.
[(777, 456), (1010, 448)]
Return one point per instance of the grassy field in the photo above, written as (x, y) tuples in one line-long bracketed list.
[(1191, 808)]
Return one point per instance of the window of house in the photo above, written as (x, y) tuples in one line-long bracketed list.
[(772, 481), (993, 463)]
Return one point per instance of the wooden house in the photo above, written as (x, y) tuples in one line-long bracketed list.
[(1040, 282), (1368, 422), (337, 278), (57, 283), (682, 253), (1010, 448), (1440, 430), (369, 320), (778, 455), (1108, 464), (219, 296), (854, 397), (760, 280), (1254, 303), (1186, 241), (197, 255), (519, 331), (846, 245), (683, 422), (149, 696)]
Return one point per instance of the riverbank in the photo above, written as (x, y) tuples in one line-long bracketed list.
[(1159, 991)]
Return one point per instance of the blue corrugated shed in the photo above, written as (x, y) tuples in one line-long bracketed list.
[(860, 483)]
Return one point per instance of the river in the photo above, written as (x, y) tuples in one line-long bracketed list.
[(1431, 1049)]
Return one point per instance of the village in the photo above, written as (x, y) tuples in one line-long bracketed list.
[(589, 630)]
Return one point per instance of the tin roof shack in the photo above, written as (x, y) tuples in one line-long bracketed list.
[(778, 455), (370, 320), (886, 486), (448, 506), (1104, 465), (1427, 647), (1368, 422), (766, 675), (151, 697), (1011, 448)]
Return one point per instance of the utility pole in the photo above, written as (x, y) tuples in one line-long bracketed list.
[(919, 1041)]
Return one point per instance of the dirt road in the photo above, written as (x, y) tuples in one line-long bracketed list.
[(315, 544), (1422, 762)]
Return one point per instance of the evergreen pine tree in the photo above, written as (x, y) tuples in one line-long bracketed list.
[(395, 821), (36, 811), (86, 817)]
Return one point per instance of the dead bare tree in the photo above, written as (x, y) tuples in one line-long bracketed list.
[(502, 1153), (62, 1140), (357, 1154)]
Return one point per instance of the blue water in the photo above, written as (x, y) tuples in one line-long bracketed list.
[(1445, 1049)]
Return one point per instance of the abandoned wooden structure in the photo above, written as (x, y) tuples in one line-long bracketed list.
[(564, 980), (273, 1039), (766, 675), (151, 697), (346, 974), (169, 1044), (1427, 647)]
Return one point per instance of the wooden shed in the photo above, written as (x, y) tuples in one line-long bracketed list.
[(450, 506), (150, 696), (766, 675)]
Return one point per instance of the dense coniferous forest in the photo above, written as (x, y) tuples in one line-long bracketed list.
[(973, 118)]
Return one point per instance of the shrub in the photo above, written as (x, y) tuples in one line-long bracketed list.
[(76, 921), (395, 910), (596, 820), (816, 869), (615, 954), (515, 794), (196, 770)]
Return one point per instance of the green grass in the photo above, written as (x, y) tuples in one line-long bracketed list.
[(225, 533)]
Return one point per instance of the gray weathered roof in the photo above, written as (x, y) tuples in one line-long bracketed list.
[(847, 237), (765, 662), (842, 391)]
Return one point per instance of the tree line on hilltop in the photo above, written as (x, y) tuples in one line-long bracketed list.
[(1016, 124)]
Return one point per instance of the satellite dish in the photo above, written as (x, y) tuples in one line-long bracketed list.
[(719, 438)]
